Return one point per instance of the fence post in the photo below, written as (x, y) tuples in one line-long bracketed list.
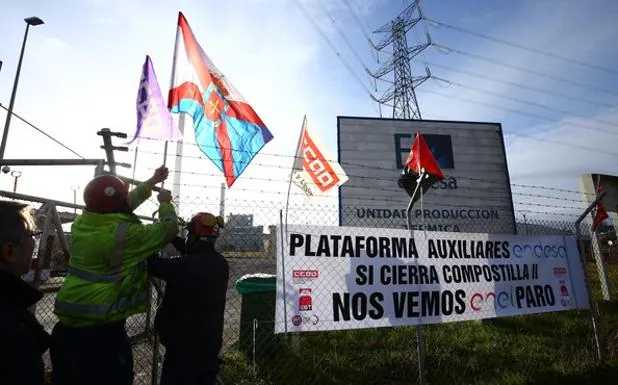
[(595, 248), (593, 305), (66, 250), (44, 246)]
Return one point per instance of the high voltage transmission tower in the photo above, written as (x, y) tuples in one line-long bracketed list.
[(402, 94)]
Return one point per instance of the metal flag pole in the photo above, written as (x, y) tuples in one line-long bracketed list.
[(172, 81), (155, 340), (135, 158), (420, 343), (294, 160), (285, 232)]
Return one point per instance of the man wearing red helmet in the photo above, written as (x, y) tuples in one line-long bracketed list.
[(107, 281), (190, 318)]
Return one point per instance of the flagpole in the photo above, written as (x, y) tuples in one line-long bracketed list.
[(135, 158), (287, 201), (287, 205), (420, 342), (172, 81)]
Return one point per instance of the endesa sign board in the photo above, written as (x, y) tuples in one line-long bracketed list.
[(475, 196)]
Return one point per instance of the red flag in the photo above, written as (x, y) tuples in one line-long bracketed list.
[(420, 158), (601, 213)]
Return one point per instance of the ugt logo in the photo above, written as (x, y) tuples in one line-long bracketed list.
[(304, 300)]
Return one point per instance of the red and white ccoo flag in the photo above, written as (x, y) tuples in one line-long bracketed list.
[(314, 171)]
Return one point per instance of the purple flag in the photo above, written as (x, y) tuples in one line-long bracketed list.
[(154, 120)]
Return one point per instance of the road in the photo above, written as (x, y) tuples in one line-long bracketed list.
[(137, 324)]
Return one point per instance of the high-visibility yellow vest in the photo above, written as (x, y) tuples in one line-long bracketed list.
[(107, 279)]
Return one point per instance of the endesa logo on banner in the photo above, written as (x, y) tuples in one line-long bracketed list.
[(539, 250), (302, 276)]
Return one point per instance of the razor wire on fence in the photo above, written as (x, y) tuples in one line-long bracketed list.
[(385, 355)]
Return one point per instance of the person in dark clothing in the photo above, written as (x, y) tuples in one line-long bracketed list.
[(22, 338), (190, 318)]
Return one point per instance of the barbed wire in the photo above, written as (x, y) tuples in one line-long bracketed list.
[(358, 165), (279, 205), (385, 189), (505, 202)]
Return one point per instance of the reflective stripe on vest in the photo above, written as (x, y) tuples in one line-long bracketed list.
[(167, 214), (94, 277), (108, 278), (121, 235), (115, 264), (121, 304)]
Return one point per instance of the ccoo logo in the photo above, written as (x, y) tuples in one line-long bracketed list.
[(310, 274)]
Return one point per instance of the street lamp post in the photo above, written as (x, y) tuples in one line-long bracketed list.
[(30, 21), (15, 175)]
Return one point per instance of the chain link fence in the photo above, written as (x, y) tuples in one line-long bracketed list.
[(538, 348)]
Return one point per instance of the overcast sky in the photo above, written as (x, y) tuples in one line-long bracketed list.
[(82, 67)]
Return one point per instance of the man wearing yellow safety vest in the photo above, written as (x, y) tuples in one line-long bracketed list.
[(107, 281)]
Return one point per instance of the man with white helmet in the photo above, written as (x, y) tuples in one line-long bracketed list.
[(190, 318)]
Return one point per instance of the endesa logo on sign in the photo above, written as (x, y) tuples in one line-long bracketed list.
[(317, 166), (300, 276)]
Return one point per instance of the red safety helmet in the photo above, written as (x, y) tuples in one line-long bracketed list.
[(206, 225), (107, 194)]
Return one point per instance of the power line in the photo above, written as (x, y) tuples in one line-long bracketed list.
[(523, 86), (595, 150), (565, 112), (358, 22), (549, 76), (342, 34), (43, 132), (332, 46), (537, 51)]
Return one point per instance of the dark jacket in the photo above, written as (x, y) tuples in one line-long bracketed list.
[(190, 318), (22, 339)]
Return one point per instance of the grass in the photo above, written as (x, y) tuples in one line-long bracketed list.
[(553, 348)]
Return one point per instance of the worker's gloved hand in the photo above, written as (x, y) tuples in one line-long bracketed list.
[(165, 196), (160, 175)]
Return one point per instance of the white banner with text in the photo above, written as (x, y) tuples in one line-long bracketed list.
[(334, 278)]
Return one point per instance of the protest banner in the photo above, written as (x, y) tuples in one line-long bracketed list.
[(334, 278)]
